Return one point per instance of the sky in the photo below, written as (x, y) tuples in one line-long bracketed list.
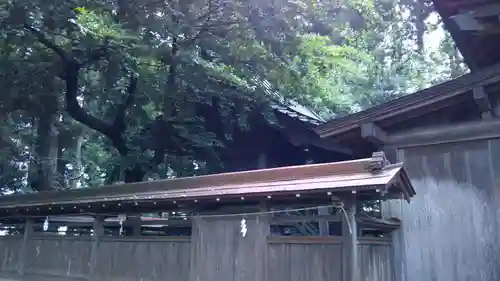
[(432, 39)]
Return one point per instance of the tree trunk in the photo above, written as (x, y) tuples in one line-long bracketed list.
[(61, 162), (46, 148), (77, 164)]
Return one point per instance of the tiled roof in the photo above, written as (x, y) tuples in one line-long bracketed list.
[(288, 107)]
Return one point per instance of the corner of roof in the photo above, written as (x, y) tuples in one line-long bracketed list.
[(402, 181), (286, 106)]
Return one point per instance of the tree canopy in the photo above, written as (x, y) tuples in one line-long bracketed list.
[(102, 91)]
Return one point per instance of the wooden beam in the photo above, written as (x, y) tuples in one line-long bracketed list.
[(278, 220), (350, 241), (373, 134), (482, 102), (28, 232), (465, 4), (94, 251), (469, 131), (488, 10), (136, 223), (331, 145), (473, 19), (324, 226), (300, 135), (282, 220), (467, 22)]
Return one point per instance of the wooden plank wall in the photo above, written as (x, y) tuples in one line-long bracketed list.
[(169, 258), (296, 260), (61, 256), (10, 253), (450, 229), (221, 253), (307, 258), (375, 261), (148, 258)]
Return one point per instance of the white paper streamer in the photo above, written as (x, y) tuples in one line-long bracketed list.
[(122, 219), (46, 224), (243, 227)]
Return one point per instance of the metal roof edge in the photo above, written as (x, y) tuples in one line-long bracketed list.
[(362, 174)]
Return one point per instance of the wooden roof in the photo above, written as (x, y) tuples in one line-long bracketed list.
[(368, 178), (475, 28), (414, 105)]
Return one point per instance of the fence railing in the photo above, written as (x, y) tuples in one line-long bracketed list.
[(168, 258)]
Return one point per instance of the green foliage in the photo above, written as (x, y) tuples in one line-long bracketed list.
[(151, 77), (101, 27), (325, 70)]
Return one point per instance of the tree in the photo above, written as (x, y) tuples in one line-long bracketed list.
[(130, 89)]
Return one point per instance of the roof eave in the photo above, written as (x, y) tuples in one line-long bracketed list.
[(456, 35), (412, 102), (364, 177)]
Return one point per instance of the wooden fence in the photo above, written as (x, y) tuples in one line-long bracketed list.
[(169, 258)]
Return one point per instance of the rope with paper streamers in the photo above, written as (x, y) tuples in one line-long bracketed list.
[(243, 229)]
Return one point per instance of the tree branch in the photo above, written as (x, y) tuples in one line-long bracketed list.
[(210, 11), (205, 30), (49, 44), (72, 68), (219, 24), (119, 122), (79, 114), (95, 55), (114, 132)]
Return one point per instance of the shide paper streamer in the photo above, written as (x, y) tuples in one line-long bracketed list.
[(243, 227)]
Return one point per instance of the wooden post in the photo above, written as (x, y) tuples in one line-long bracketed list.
[(350, 241), (373, 134), (482, 102), (98, 233), (28, 232), (262, 161), (324, 225), (136, 225), (398, 237)]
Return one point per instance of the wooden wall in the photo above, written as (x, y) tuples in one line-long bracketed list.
[(220, 252), (148, 259), (9, 253), (450, 229), (319, 258), (226, 257), (64, 256)]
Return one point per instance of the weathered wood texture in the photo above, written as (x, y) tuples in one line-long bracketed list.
[(58, 257), (220, 252), (349, 242), (170, 258), (303, 259), (450, 230), (143, 259), (10, 253), (375, 262), (290, 261)]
